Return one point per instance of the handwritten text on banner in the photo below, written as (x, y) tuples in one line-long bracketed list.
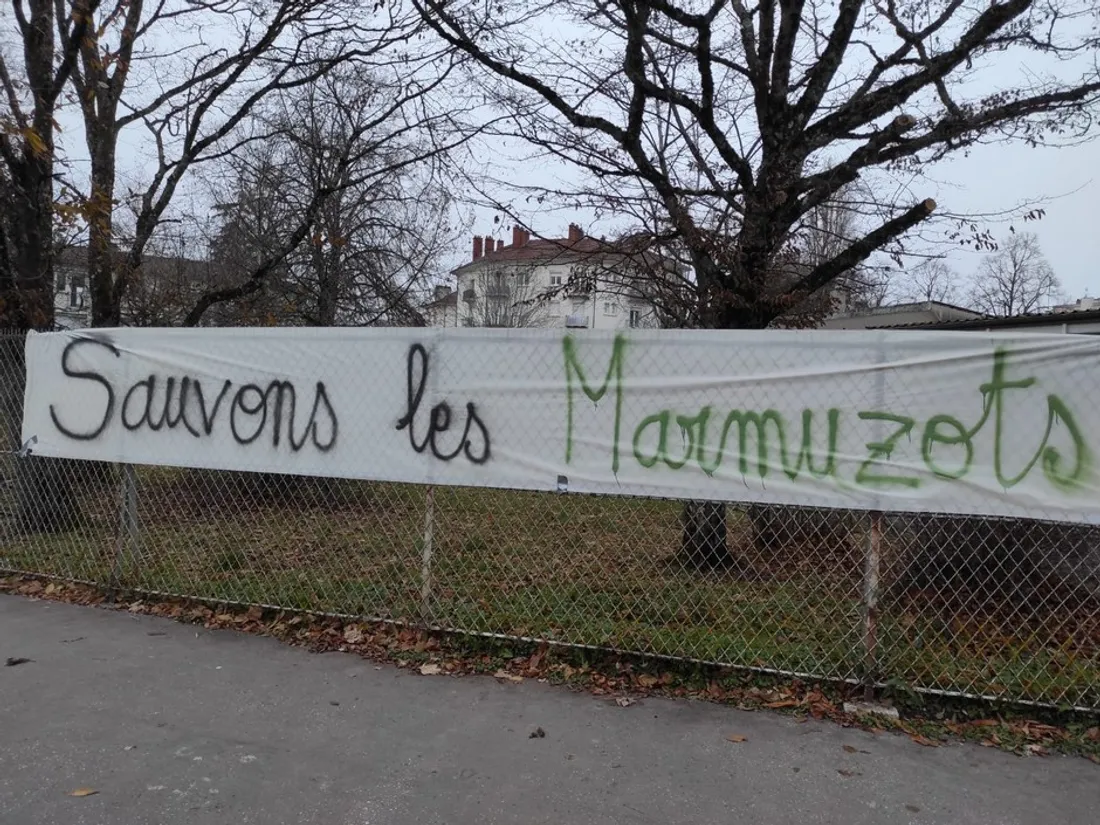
[(920, 421)]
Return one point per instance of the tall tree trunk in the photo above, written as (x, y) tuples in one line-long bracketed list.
[(106, 300), (46, 501), (327, 268), (44, 496), (703, 541)]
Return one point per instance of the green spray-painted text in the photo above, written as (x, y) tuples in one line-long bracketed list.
[(765, 441)]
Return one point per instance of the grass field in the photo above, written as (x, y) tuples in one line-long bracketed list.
[(576, 569)]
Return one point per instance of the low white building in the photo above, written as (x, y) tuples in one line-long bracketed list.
[(72, 302), (1085, 304), (576, 281), (900, 315)]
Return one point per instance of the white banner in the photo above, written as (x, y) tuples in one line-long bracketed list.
[(922, 421)]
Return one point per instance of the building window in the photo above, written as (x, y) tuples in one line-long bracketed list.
[(555, 280), (610, 308), (635, 318)]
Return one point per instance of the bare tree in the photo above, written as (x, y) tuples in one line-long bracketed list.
[(32, 84), (34, 67), (737, 120), (931, 280), (149, 65), (503, 296), (380, 200), (1015, 280)]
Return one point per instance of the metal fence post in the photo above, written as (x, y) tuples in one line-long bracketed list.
[(871, 576), (872, 567), (126, 537), (426, 555)]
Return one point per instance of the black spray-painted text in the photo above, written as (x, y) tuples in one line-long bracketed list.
[(248, 411)]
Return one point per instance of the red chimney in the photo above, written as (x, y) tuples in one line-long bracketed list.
[(489, 244), (575, 233), (520, 236), (500, 244), (477, 247)]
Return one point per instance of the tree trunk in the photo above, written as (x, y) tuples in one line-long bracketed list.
[(327, 270), (44, 496), (45, 500), (703, 540), (106, 300)]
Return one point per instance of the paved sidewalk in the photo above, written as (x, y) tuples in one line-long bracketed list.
[(174, 724)]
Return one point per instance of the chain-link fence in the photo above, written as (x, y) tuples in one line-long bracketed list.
[(1001, 608)]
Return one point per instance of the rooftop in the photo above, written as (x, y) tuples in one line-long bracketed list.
[(448, 300), (983, 322), (911, 306), (525, 248)]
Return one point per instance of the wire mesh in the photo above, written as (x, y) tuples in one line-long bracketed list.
[(976, 606)]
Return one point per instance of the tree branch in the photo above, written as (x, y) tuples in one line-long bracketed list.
[(826, 272)]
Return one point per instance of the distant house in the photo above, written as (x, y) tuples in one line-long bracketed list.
[(575, 281), (901, 315), (1080, 305), (442, 310), (72, 302), (159, 294)]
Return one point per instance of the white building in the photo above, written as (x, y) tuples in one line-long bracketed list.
[(576, 281), (72, 302), (159, 292)]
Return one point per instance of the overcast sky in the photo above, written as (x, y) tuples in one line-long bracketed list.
[(995, 177)]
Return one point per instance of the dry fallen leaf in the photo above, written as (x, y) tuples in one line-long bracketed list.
[(783, 703), (353, 635), (736, 737), (850, 749), (84, 792), (15, 660), (846, 772), (1093, 734), (645, 680), (508, 677), (430, 669), (924, 740), (1037, 750), (624, 701)]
